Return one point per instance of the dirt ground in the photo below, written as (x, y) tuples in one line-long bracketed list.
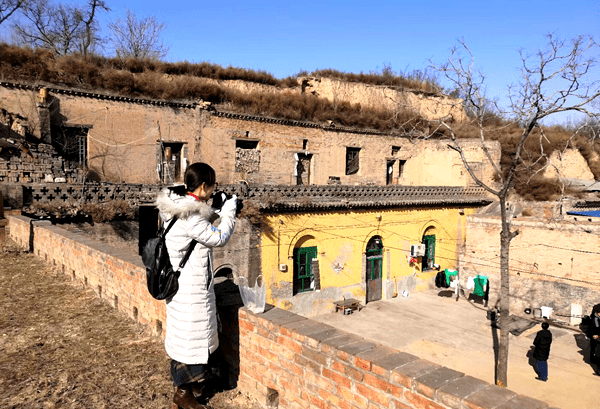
[(62, 347)]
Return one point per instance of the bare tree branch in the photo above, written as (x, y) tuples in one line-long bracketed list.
[(61, 28), (9, 7), (138, 38), (553, 81)]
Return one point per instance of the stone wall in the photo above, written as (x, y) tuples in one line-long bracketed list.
[(279, 358), (552, 262)]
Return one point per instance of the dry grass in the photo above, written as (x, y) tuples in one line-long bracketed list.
[(187, 81), (416, 80), (63, 347), (98, 212)]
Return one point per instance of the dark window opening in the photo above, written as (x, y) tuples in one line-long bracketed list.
[(395, 150), (224, 272), (304, 279), (71, 144), (389, 172), (171, 169), (303, 169), (242, 144), (401, 164), (352, 164), (304, 143)]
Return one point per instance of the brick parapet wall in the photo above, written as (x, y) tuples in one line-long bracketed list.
[(309, 364), (277, 357)]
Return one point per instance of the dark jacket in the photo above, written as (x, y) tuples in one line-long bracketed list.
[(594, 327), (542, 342)]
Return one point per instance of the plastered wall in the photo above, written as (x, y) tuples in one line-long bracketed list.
[(553, 263), (341, 239)]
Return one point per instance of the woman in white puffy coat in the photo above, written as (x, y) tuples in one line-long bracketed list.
[(191, 333)]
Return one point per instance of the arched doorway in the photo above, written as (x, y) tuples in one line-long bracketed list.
[(224, 272), (429, 242), (374, 258)]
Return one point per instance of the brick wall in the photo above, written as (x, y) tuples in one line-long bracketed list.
[(279, 358)]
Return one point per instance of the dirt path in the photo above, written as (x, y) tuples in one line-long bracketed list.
[(61, 346)]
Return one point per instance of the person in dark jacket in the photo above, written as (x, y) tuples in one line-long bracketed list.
[(594, 335), (542, 342)]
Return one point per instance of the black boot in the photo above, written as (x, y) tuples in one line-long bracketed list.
[(184, 398)]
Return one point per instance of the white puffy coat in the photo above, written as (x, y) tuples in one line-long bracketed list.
[(191, 333)]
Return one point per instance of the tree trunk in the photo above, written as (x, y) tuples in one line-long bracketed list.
[(505, 238)]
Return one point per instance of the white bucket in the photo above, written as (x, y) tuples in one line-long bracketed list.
[(546, 311)]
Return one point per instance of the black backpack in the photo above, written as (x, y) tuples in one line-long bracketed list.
[(161, 278)]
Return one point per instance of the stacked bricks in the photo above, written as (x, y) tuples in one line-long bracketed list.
[(27, 169), (279, 358)]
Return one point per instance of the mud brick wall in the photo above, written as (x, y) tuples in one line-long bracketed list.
[(279, 358), (553, 263)]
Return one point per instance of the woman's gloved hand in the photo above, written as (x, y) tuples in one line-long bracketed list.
[(230, 204)]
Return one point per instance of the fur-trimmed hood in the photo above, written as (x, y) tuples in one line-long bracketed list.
[(171, 204)]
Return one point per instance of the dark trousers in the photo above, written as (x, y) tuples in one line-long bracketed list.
[(542, 367), (594, 359)]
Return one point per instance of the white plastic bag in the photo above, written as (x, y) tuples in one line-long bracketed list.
[(253, 297)]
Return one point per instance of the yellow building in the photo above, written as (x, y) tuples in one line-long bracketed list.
[(322, 244)]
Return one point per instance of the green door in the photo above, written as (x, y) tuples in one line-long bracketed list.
[(303, 274), (429, 257), (374, 256)]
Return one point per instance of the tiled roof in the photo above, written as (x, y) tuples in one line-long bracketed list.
[(98, 95), (307, 124), (322, 197)]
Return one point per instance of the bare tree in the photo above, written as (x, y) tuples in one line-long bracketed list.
[(91, 29), (61, 28), (553, 81), (138, 38), (8, 8)]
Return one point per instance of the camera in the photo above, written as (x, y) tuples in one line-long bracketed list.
[(218, 198)]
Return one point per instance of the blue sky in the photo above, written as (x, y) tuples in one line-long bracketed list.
[(283, 38)]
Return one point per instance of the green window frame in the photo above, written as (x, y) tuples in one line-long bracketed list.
[(304, 279)]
